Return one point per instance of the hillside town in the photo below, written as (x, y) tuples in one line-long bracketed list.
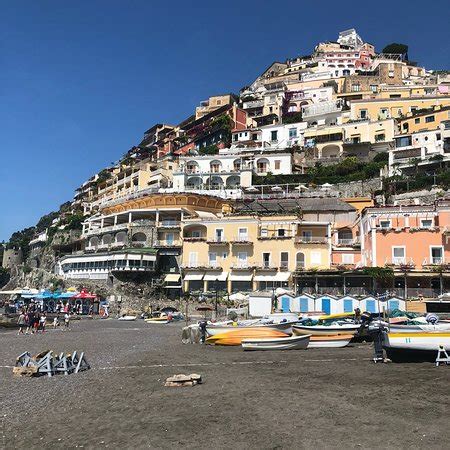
[(327, 174)]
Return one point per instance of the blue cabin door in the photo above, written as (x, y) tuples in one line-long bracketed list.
[(304, 305), (348, 305), (394, 304), (285, 304), (370, 306), (326, 305)]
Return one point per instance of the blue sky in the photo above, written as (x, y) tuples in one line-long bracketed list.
[(81, 81)]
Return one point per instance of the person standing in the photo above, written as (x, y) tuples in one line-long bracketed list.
[(42, 322), (55, 322), (21, 321), (29, 320), (66, 321)]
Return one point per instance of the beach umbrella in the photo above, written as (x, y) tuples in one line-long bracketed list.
[(277, 188), (302, 187), (43, 295), (252, 189), (327, 185), (65, 294)]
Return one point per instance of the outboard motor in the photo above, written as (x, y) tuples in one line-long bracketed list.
[(432, 319), (202, 327)]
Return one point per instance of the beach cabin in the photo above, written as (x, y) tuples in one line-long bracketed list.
[(259, 303), (348, 304), (286, 302), (303, 303), (396, 303), (369, 304), (328, 304)]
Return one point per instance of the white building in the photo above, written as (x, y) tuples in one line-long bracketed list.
[(420, 148)]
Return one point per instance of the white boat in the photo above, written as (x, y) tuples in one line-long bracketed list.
[(336, 341), (287, 343), (127, 318), (443, 327), (326, 330), (415, 346), (214, 329)]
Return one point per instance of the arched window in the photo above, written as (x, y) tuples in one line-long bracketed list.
[(215, 166), (93, 241), (192, 167), (345, 236), (300, 260), (121, 237)]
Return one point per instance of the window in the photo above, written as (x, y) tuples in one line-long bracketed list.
[(385, 223), (212, 259), (277, 164), (263, 232), (356, 87), (242, 259), (254, 136), (193, 259), (373, 88), (281, 232), (348, 258), (292, 133), (195, 234), (429, 119), (284, 260), (380, 137), (316, 258), (224, 255), (426, 223), (307, 236), (363, 113), (242, 234), (300, 260), (274, 135), (219, 235), (417, 120), (384, 113), (398, 255), (438, 136), (436, 255), (266, 260)]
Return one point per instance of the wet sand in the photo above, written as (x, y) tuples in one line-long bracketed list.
[(318, 398)]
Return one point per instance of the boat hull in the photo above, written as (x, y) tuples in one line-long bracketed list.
[(285, 327), (287, 343), (321, 330), (440, 327), (330, 341), (235, 337), (415, 347)]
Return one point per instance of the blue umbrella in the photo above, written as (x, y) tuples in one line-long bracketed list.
[(65, 294), (44, 295)]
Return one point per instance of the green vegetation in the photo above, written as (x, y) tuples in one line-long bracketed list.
[(396, 49), (209, 150), (349, 169), (4, 276), (292, 117), (379, 273)]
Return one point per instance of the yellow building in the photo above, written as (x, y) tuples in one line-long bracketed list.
[(425, 120), (248, 252), (380, 109)]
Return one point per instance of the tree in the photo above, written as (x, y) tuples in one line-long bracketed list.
[(397, 49)]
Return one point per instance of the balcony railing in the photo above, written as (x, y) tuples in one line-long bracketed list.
[(264, 265), (285, 235), (348, 242), (311, 239), (194, 238), (202, 265), (217, 241), (243, 265), (435, 261), (167, 243), (241, 239), (169, 224)]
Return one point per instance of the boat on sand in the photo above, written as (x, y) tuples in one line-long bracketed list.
[(415, 347), (284, 343), (214, 329), (326, 330), (235, 337), (337, 341)]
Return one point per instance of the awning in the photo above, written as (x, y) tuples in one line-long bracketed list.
[(282, 276), (216, 276), (272, 277), (193, 276), (172, 287), (241, 276), (172, 277)]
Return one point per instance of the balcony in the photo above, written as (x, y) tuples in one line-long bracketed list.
[(253, 104), (435, 262), (167, 243), (210, 265), (311, 239), (194, 239), (169, 224), (264, 265), (217, 241), (322, 108), (243, 265), (401, 262), (241, 240), (348, 242), (286, 235)]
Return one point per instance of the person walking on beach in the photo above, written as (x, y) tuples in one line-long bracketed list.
[(42, 322), (55, 322), (66, 321), (21, 321), (29, 320)]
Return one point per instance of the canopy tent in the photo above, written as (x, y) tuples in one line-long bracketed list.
[(84, 295), (216, 276), (62, 295), (241, 276)]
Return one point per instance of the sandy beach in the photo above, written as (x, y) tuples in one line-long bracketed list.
[(321, 398)]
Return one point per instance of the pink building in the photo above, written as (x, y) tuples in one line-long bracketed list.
[(413, 241)]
